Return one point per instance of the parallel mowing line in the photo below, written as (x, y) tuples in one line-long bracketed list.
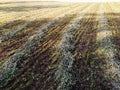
[(23, 17), (15, 20), (30, 12), (107, 49), (116, 82), (12, 33), (63, 76), (2, 25), (8, 68)]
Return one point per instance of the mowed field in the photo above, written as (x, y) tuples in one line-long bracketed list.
[(59, 46)]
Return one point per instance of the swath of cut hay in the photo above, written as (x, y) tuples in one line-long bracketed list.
[(42, 8), (63, 76), (8, 68), (22, 17), (107, 49), (116, 63), (13, 33), (80, 8), (33, 13)]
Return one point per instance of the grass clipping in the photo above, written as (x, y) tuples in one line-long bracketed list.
[(64, 77), (108, 50)]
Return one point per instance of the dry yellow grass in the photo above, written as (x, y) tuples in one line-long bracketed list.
[(59, 46)]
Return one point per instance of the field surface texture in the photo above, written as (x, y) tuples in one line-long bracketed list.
[(59, 46)]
